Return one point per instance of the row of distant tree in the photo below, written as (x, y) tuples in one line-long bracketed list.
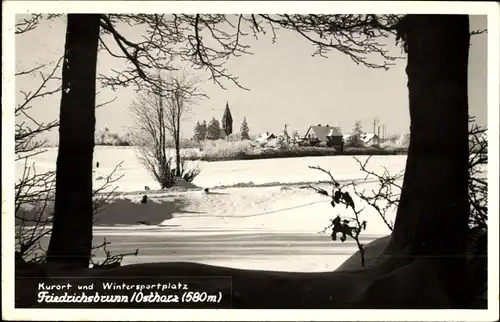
[(215, 130)]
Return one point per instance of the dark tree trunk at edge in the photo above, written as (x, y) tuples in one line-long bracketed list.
[(71, 240), (433, 210)]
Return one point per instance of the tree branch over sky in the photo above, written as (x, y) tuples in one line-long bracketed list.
[(359, 37), (167, 41), (30, 22), (207, 41), (27, 130)]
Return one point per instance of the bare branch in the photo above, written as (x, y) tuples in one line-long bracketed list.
[(360, 37), (106, 102), (478, 32), (346, 226), (29, 22)]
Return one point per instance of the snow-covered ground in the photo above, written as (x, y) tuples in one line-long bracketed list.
[(273, 225), (265, 228), (228, 173)]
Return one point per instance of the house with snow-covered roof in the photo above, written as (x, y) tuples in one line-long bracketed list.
[(370, 139), (330, 135)]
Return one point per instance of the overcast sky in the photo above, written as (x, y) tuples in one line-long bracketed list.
[(287, 86)]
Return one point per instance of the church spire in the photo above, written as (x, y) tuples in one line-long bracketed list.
[(227, 120)]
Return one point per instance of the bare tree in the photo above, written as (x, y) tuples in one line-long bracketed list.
[(182, 93), (150, 136), (35, 190), (158, 116)]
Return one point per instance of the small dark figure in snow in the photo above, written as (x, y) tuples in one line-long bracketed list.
[(97, 164), (147, 188), (144, 199), (206, 190)]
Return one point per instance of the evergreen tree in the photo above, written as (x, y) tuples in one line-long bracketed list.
[(355, 139), (203, 130), (198, 132), (213, 130), (244, 130), (357, 128), (227, 121)]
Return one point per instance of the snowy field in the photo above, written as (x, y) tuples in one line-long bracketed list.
[(227, 173), (271, 224)]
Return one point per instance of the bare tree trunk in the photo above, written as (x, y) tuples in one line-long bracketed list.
[(71, 240), (433, 211), (164, 169), (178, 144)]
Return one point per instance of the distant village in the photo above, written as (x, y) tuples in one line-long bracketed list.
[(318, 135), (332, 136)]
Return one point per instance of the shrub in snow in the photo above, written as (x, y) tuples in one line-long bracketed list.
[(282, 143), (222, 148), (189, 174), (165, 175)]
